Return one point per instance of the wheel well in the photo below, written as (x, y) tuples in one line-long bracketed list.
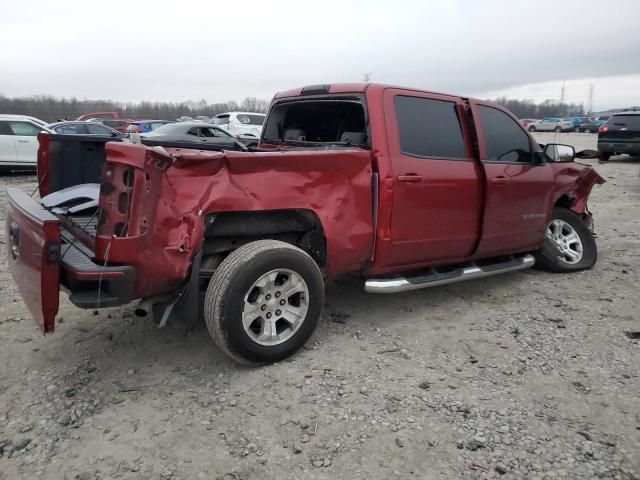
[(564, 201), (226, 231)]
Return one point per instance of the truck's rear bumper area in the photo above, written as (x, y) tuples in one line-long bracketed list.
[(91, 285), (629, 147)]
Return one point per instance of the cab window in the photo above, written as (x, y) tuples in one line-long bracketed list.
[(504, 138)]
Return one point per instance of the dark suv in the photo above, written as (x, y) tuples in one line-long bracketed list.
[(621, 134)]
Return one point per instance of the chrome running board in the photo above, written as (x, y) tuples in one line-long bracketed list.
[(433, 277)]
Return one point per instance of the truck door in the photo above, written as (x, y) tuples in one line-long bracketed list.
[(437, 192), (518, 191)]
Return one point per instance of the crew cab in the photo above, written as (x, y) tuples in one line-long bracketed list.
[(409, 188)]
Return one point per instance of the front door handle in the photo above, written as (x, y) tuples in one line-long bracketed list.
[(410, 178), (499, 180), (23, 141)]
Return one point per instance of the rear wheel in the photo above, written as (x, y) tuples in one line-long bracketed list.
[(557, 129), (264, 301), (568, 245), (532, 128), (604, 156)]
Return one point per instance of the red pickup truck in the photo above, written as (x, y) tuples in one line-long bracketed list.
[(409, 188)]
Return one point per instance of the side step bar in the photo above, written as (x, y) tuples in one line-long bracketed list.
[(434, 278)]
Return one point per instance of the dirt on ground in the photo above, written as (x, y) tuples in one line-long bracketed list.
[(527, 375)]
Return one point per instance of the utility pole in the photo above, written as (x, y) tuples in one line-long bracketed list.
[(366, 77), (562, 94), (590, 100)]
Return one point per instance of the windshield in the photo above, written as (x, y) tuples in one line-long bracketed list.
[(317, 122)]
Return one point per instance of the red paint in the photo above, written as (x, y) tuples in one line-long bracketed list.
[(430, 211), (32, 234), (334, 185)]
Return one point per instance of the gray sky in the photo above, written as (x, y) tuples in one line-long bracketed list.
[(217, 50)]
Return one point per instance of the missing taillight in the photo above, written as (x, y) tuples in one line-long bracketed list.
[(127, 178), (115, 200), (123, 202)]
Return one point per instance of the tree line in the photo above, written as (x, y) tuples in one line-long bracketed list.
[(547, 108), (51, 109)]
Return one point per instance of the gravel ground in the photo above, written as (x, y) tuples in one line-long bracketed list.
[(527, 375)]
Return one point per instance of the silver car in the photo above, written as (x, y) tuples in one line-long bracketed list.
[(551, 124), (191, 132)]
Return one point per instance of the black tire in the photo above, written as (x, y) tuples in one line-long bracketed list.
[(551, 258), (558, 129), (234, 278), (604, 156), (532, 128)]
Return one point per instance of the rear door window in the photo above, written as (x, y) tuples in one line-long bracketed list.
[(429, 128), (504, 138), (71, 129), (98, 130)]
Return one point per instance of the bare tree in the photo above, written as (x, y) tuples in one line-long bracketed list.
[(51, 108), (366, 77)]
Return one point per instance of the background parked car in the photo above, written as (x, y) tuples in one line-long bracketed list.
[(84, 128), (577, 121), (525, 122), (191, 132), (120, 125), (145, 126), (99, 115), (551, 124), (621, 134), (594, 125), (23, 117), (241, 123), (19, 142)]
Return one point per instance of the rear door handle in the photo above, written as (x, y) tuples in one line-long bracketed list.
[(23, 141), (499, 180), (410, 178)]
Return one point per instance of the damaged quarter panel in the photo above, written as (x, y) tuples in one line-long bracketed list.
[(184, 186), (574, 181)]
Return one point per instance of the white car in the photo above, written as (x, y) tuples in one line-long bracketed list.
[(241, 124), (19, 142), (551, 124)]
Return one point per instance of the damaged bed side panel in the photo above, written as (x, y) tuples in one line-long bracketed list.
[(335, 185)]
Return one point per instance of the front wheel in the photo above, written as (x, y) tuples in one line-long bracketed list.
[(568, 245), (557, 129), (264, 301)]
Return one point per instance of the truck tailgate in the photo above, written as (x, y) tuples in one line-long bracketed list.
[(33, 241)]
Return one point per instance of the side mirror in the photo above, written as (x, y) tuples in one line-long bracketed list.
[(559, 153)]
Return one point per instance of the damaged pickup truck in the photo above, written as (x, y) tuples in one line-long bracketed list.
[(409, 188)]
